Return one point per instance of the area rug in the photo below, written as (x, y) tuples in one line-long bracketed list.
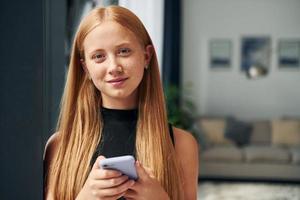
[(248, 191)]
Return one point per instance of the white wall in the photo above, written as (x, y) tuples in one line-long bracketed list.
[(151, 13), (230, 92)]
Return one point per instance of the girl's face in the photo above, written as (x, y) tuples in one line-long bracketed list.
[(115, 60)]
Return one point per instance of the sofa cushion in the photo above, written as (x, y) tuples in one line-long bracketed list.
[(266, 154), (295, 152), (200, 136), (261, 133), (286, 132), (237, 131), (214, 131), (223, 153)]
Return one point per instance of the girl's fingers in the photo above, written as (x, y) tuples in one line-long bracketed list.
[(109, 183), (118, 196), (109, 173), (96, 164), (114, 197), (142, 174), (116, 190), (99, 174), (130, 194), (149, 171)]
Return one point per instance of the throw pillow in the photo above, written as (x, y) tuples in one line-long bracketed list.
[(286, 132), (261, 133), (237, 131), (214, 130)]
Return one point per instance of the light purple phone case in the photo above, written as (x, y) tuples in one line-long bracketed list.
[(124, 164)]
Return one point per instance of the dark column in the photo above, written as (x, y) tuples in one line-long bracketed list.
[(30, 86), (172, 39)]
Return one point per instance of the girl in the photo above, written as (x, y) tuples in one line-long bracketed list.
[(113, 105)]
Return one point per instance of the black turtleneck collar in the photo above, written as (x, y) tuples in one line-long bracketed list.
[(118, 114)]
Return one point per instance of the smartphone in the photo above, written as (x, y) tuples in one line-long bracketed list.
[(124, 164)]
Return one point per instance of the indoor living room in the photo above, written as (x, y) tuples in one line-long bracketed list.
[(230, 69), (241, 70)]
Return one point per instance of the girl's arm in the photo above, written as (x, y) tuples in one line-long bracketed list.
[(49, 152), (186, 148)]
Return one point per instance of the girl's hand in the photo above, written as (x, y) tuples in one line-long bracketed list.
[(146, 187), (104, 184)]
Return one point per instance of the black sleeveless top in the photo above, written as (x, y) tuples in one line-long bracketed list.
[(119, 133)]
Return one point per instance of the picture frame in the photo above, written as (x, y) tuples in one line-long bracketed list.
[(255, 52), (289, 53), (220, 53)]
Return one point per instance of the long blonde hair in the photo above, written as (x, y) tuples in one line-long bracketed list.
[(80, 123)]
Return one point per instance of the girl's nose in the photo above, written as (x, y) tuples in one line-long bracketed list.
[(114, 67)]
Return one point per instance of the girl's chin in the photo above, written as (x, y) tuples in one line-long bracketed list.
[(119, 95)]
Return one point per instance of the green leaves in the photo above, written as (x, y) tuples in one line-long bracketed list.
[(181, 111)]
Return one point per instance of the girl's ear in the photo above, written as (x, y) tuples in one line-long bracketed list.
[(148, 54), (83, 65)]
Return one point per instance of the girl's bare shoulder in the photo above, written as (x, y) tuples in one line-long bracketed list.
[(184, 140), (51, 147)]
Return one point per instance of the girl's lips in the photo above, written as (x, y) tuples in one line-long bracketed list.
[(117, 82)]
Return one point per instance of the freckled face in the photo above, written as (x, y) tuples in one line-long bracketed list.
[(115, 61)]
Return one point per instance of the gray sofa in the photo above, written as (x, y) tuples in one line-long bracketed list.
[(271, 150)]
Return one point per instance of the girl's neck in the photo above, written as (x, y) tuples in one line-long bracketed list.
[(119, 105)]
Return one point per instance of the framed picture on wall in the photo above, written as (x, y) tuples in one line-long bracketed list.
[(255, 52), (220, 53), (289, 54)]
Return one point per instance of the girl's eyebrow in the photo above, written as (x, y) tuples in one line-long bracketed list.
[(94, 51), (117, 46), (123, 44)]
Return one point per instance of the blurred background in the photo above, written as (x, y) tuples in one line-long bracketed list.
[(230, 69)]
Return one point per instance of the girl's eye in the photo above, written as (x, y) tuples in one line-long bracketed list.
[(124, 51), (98, 57)]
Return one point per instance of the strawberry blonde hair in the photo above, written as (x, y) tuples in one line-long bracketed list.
[(80, 122)]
